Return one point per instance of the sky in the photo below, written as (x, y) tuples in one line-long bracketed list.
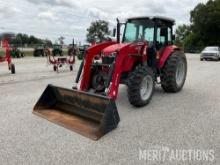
[(70, 18)]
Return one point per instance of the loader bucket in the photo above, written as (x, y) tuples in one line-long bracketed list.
[(85, 113)]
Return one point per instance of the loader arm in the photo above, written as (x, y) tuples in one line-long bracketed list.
[(126, 59), (90, 54), (116, 76)]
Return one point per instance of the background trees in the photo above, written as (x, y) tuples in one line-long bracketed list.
[(97, 31), (23, 39), (204, 28)]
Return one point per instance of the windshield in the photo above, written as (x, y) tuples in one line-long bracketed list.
[(211, 49), (139, 29)]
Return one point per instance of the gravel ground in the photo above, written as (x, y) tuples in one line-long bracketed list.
[(186, 120)]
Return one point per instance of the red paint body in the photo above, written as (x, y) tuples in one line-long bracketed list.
[(128, 56), (70, 60), (7, 56)]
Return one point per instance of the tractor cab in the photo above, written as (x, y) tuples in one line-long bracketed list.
[(157, 31)]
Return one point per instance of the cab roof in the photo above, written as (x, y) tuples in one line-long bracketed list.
[(165, 19)]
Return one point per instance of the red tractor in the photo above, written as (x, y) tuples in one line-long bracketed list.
[(145, 56), (4, 39)]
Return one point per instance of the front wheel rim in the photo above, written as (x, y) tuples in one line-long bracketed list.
[(146, 87), (180, 73)]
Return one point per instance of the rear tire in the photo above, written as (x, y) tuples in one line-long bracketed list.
[(141, 86), (12, 68), (174, 72)]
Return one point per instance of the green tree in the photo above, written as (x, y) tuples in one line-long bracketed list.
[(182, 32), (48, 42), (97, 31), (22, 39), (61, 40), (204, 29), (205, 19), (33, 40)]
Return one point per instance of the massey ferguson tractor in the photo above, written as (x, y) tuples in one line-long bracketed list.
[(145, 56)]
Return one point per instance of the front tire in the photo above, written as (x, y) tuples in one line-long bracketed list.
[(141, 86), (71, 68), (12, 68), (174, 72), (55, 68)]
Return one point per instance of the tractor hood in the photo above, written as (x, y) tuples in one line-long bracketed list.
[(115, 48)]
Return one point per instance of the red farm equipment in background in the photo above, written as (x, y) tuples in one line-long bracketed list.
[(58, 62), (4, 38)]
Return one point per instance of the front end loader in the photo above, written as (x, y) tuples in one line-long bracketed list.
[(145, 56)]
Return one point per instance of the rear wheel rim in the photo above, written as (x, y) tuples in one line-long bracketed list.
[(180, 73), (146, 87)]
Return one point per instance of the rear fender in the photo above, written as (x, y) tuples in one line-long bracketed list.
[(90, 54), (165, 55)]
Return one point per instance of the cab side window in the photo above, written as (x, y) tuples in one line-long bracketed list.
[(164, 37), (169, 36), (160, 38), (149, 34)]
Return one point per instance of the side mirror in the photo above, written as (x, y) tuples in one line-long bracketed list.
[(114, 32), (173, 37)]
